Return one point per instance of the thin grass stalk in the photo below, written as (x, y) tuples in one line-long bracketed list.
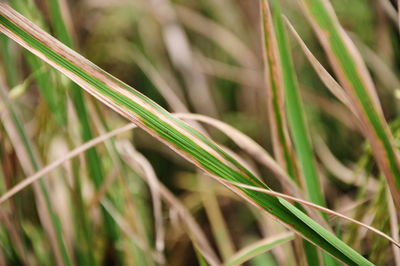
[(133, 210), (218, 225), (11, 76), (95, 168), (283, 149), (183, 59), (295, 111), (257, 248), (202, 246), (141, 159), (297, 123), (54, 100), (144, 163), (179, 136), (30, 164), (213, 211)]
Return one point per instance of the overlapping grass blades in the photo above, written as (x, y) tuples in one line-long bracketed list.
[(355, 79), (54, 98), (94, 163), (295, 112), (281, 141), (41, 190), (179, 136), (283, 149)]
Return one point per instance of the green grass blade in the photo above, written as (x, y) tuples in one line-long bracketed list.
[(179, 136), (356, 81), (282, 147), (93, 160), (34, 165), (297, 122), (257, 248), (8, 62), (54, 99)]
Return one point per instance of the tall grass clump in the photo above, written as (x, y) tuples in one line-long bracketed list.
[(122, 173)]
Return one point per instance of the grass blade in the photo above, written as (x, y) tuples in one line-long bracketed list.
[(176, 134), (55, 100), (30, 164), (298, 125), (94, 163), (282, 146), (257, 248), (296, 117), (357, 83)]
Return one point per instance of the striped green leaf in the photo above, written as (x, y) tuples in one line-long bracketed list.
[(282, 146), (355, 79), (298, 125), (179, 136), (283, 149)]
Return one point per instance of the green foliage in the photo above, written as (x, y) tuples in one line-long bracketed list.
[(109, 206)]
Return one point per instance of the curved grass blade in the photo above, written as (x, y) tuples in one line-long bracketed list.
[(30, 164), (257, 248), (179, 136), (93, 159), (355, 79)]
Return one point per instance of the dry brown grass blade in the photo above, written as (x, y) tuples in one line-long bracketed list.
[(362, 69), (32, 178), (323, 74), (357, 83), (259, 154), (243, 76), (219, 34), (28, 169), (342, 172), (155, 194), (194, 229), (126, 228), (181, 54)]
